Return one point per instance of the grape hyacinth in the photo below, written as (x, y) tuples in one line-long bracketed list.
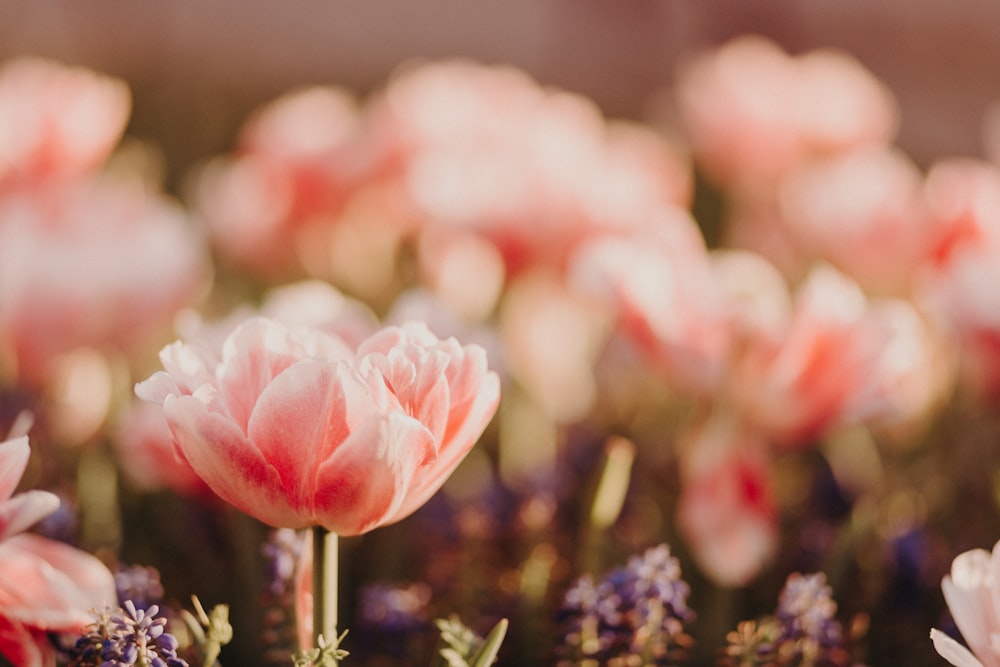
[(636, 615), (281, 553), (803, 631), (139, 584), (127, 636), (393, 624)]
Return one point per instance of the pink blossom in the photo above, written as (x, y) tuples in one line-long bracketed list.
[(298, 163), (851, 209), (146, 453), (45, 586), (98, 263), (296, 428), (727, 511), (971, 591), (660, 284), (551, 339), (533, 170), (957, 282), (56, 120), (818, 370), (753, 112), (144, 442)]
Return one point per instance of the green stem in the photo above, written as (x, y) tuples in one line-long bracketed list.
[(324, 585)]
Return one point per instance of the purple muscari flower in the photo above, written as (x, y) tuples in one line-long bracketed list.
[(393, 624), (281, 554), (635, 615), (127, 636), (806, 609), (803, 630), (394, 608), (139, 584)]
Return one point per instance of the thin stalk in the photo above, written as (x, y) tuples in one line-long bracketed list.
[(324, 585)]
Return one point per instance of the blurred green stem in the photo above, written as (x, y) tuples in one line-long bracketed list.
[(324, 585)]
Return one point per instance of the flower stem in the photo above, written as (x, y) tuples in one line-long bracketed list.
[(324, 585)]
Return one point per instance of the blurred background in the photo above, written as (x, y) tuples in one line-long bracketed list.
[(196, 69)]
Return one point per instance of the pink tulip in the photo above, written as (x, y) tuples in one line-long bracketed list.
[(754, 112), (147, 456), (727, 511), (295, 428), (56, 120), (45, 586), (972, 591), (99, 263), (819, 369), (298, 163), (959, 277), (534, 170), (851, 209), (659, 283)]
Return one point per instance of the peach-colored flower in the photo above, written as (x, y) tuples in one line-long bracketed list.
[(56, 120), (296, 428), (533, 170), (97, 263), (660, 283), (45, 586), (819, 370), (146, 453), (861, 212), (957, 282), (727, 511), (972, 591), (298, 161), (753, 112), (145, 445), (551, 340)]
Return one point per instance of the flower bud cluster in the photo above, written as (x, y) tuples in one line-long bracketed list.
[(803, 630), (635, 615), (127, 636)]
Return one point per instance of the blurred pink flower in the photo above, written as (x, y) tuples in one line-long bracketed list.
[(146, 453), (56, 120), (45, 586), (971, 591), (957, 283), (97, 263), (660, 284), (726, 512), (298, 162), (551, 339), (818, 370), (533, 170), (296, 428), (862, 212), (752, 111)]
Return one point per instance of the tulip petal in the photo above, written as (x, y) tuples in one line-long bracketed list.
[(222, 456), (952, 651), (24, 510), (969, 600), (20, 647), (415, 376), (14, 455), (52, 586), (364, 482), (258, 351), (468, 419), (301, 418)]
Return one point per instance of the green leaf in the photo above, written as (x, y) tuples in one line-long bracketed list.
[(487, 653)]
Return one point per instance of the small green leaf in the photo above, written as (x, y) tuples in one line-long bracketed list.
[(487, 653)]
